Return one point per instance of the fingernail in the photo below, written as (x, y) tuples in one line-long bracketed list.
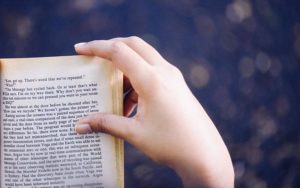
[(79, 44), (83, 128)]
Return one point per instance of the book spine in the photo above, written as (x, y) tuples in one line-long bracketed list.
[(118, 109)]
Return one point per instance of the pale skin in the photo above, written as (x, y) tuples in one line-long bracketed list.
[(170, 125)]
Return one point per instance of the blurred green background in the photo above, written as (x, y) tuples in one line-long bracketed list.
[(241, 58)]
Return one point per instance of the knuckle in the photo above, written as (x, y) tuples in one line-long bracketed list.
[(154, 82), (134, 41), (101, 125), (176, 71), (93, 43), (173, 70), (117, 47), (153, 75)]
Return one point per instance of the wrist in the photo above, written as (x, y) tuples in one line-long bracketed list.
[(209, 167), (197, 175)]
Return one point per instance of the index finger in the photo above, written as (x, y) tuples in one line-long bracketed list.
[(145, 50), (123, 57)]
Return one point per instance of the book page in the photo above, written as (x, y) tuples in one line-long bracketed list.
[(42, 98)]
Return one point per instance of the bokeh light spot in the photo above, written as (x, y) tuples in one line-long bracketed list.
[(199, 76), (24, 27), (263, 62), (238, 11), (206, 26), (246, 67), (85, 5), (282, 106)]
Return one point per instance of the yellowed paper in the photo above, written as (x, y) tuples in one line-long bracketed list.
[(47, 96)]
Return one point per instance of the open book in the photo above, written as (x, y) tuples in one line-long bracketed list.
[(41, 100)]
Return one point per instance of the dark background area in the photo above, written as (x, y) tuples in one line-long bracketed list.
[(241, 58)]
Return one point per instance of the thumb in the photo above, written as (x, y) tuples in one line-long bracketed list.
[(115, 125)]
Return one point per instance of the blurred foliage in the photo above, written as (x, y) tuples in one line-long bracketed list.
[(240, 57)]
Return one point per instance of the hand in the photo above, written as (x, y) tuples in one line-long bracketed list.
[(170, 125)]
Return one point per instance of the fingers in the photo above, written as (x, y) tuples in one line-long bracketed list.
[(130, 102), (122, 56), (118, 126), (146, 51)]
